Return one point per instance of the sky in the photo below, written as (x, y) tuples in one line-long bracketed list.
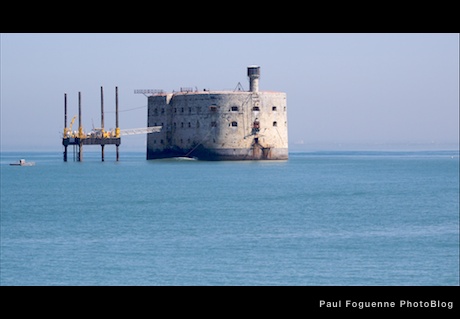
[(344, 90)]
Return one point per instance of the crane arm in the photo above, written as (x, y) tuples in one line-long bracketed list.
[(68, 130), (142, 130)]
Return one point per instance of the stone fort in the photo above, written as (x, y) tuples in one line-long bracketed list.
[(219, 125)]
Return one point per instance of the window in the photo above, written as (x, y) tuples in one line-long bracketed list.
[(182, 110), (234, 109), (189, 124), (234, 124), (275, 123), (190, 110), (255, 108), (213, 108), (182, 124), (274, 108)]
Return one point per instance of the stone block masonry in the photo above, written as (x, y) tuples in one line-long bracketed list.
[(219, 125)]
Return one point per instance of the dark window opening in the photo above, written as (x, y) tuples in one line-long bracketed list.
[(234, 108), (275, 123), (274, 108), (256, 108), (234, 124), (255, 127)]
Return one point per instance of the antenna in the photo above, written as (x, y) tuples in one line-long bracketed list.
[(239, 87)]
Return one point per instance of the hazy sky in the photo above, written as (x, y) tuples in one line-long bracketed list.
[(343, 90)]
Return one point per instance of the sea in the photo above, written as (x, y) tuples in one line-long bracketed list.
[(321, 218)]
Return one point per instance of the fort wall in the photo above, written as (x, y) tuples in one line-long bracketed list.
[(219, 125)]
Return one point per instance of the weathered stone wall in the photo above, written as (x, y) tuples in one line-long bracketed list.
[(219, 125)]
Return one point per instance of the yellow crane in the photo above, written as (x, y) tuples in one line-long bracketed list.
[(68, 130)]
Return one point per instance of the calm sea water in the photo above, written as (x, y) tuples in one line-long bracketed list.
[(320, 218)]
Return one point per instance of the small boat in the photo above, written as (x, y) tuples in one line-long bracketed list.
[(22, 162)]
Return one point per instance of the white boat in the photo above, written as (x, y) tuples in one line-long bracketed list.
[(22, 162)]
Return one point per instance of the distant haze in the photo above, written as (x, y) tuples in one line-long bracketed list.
[(344, 91)]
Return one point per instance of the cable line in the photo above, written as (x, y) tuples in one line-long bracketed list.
[(134, 108)]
